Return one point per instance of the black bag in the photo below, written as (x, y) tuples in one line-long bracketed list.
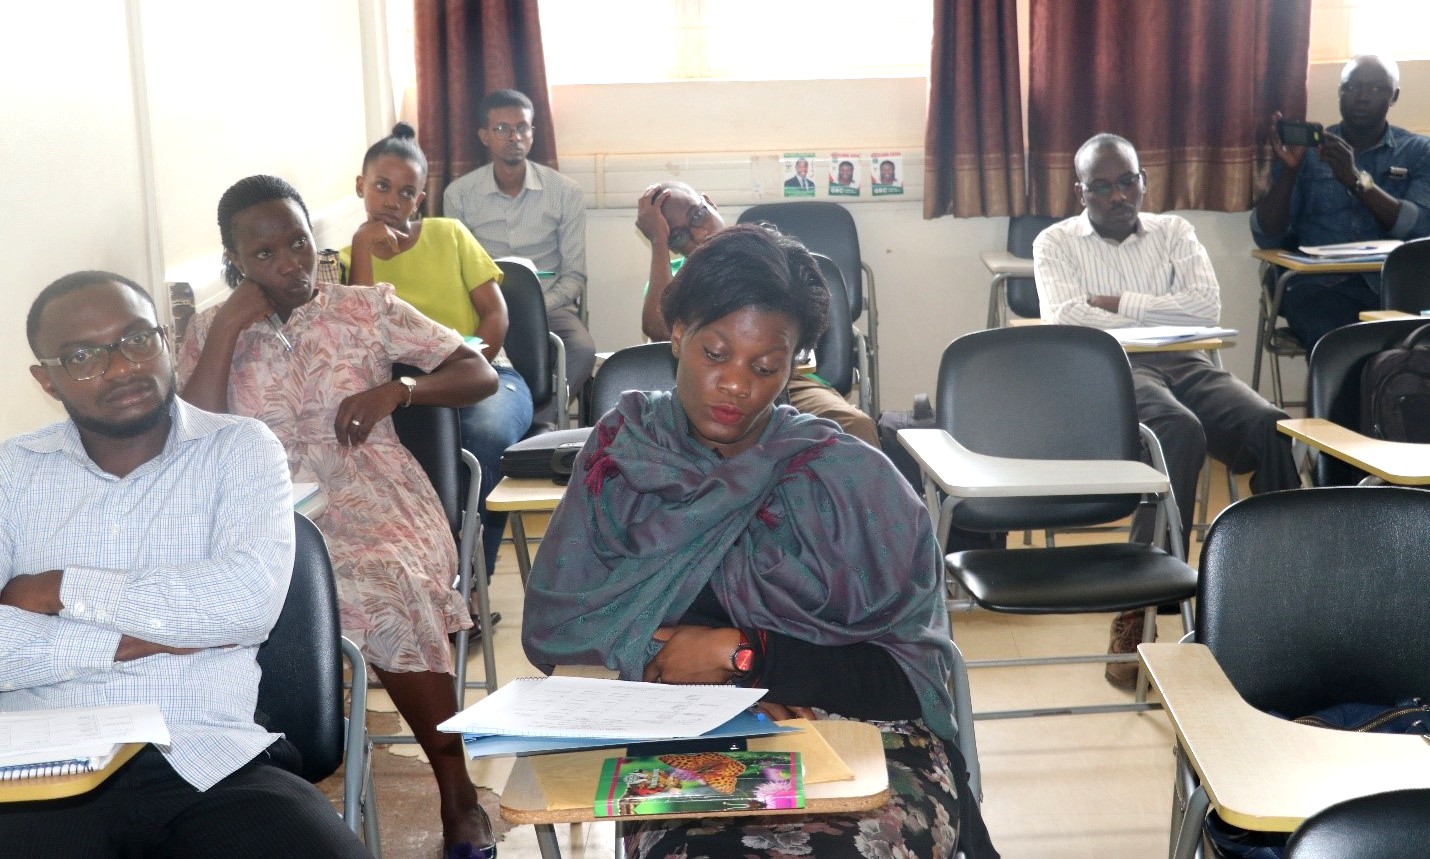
[(1395, 391), (550, 455)]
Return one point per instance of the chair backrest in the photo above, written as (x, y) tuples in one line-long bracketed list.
[(825, 228), (647, 367), (1314, 597), (301, 691), (527, 343), (433, 435), (1405, 278), (1393, 825), (1039, 392), (834, 353), (1334, 383), (1022, 292)]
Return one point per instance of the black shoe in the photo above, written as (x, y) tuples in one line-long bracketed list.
[(476, 631)]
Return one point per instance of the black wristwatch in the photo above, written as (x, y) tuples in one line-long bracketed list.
[(742, 659)]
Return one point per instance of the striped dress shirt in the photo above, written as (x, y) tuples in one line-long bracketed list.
[(192, 549), (545, 223), (1161, 273)]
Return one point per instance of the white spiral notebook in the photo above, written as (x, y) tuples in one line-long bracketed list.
[(39, 743)]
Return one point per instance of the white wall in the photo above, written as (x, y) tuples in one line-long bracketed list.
[(125, 121), (73, 190)]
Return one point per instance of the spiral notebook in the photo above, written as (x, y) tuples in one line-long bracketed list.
[(588, 707), (39, 743)]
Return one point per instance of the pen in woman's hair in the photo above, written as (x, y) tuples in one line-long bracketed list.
[(277, 325)]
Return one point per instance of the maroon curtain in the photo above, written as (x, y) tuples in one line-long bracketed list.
[(973, 142), (1192, 83), (464, 51)]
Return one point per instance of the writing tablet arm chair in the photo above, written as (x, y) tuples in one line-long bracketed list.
[(536, 353), (433, 435), (841, 356), (1272, 341), (828, 228), (1038, 429), (1405, 278), (1334, 394), (646, 367), (1310, 598), (300, 692), (1013, 290)]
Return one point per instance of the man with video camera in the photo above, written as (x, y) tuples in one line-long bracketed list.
[(1367, 179)]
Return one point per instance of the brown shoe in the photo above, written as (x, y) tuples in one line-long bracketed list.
[(1126, 635)]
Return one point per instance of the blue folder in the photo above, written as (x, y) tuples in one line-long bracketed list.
[(746, 724)]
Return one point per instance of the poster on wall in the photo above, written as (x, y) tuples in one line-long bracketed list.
[(844, 174), (796, 167), (886, 173)]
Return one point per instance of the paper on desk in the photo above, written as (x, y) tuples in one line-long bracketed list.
[(1161, 335), (303, 491), (39, 736), (587, 707), (1352, 249)]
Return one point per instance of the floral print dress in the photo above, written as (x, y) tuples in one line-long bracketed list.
[(392, 551)]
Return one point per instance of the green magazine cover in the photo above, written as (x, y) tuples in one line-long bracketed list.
[(702, 782)]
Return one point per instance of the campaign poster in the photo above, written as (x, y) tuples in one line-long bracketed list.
[(798, 170), (844, 179), (886, 173)]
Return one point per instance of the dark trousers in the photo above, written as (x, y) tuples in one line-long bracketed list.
[(1314, 309), (1195, 409), (146, 810)]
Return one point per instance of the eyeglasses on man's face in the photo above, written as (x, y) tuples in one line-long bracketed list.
[(1356, 88), (89, 362), (506, 129), (1102, 187), (679, 240)]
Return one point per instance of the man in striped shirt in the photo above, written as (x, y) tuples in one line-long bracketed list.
[(1115, 267), (145, 553)]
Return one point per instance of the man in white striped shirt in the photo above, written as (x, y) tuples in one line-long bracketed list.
[(145, 552), (1114, 267)]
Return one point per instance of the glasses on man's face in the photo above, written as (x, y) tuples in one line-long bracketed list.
[(89, 362), (679, 240), (504, 129), (1102, 187), (1354, 88)]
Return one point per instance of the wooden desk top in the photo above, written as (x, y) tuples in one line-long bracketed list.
[(61, 786), (857, 743), (1392, 461), (1265, 773), (964, 474), (1210, 344), (525, 495), (1004, 263), (1286, 261), (1380, 315)]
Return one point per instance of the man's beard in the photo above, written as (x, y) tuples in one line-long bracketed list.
[(126, 429)]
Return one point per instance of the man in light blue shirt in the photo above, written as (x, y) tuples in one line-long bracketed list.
[(1367, 180), (516, 207), (145, 553)]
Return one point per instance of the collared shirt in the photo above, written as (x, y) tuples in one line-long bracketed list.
[(194, 548), (1324, 212), (546, 223), (1161, 273)]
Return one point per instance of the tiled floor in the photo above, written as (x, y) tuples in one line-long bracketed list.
[(1068, 786)]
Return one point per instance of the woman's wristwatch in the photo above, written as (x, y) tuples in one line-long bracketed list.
[(742, 659)]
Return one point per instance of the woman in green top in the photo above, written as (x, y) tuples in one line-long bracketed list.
[(438, 267)]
